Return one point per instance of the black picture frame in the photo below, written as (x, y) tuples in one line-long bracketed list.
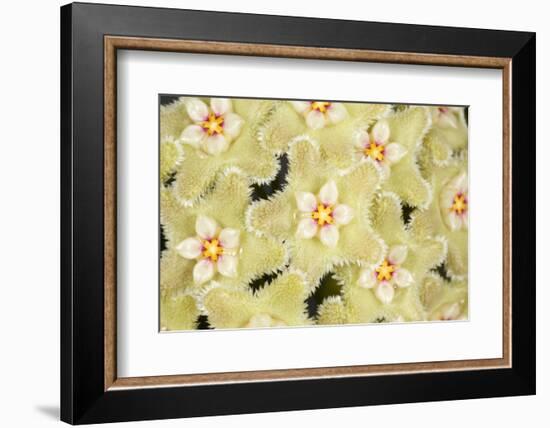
[(83, 396)]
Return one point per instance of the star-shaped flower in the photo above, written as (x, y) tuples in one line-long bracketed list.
[(319, 114), (213, 138), (278, 304), (377, 146), (389, 290), (214, 249), (213, 128), (448, 214), (341, 121), (391, 139), (388, 275), (209, 240), (453, 202), (322, 215), (338, 215), (447, 136)]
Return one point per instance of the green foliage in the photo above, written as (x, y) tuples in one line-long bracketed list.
[(396, 200)]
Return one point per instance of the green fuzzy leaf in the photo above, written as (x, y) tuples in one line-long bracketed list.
[(175, 272), (170, 156), (449, 301), (226, 204), (173, 119), (332, 312), (442, 142), (279, 216), (429, 222), (178, 312), (281, 303), (176, 220), (407, 128), (197, 170), (387, 218), (454, 137)]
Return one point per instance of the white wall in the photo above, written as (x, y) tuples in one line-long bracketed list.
[(29, 213)]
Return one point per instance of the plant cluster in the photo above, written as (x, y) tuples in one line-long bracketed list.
[(291, 213)]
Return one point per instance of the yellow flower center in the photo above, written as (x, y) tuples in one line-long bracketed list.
[(321, 106), (323, 214), (375, 151), (211, 249), (385, 271), (213, 125), (460, 204)]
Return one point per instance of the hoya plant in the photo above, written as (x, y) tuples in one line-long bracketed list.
[(322, 214), (279, 213), (212, 135)]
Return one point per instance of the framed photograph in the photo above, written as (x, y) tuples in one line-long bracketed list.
[(265, 213)]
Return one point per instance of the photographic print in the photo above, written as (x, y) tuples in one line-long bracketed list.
[(325, 203), (280, 213)]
